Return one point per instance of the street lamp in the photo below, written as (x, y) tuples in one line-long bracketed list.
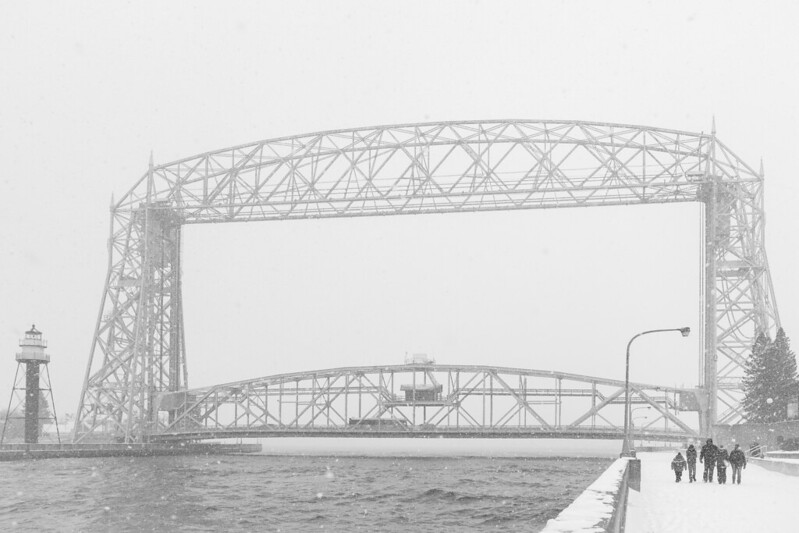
[(632, 422), (633, 418), (627, 449)]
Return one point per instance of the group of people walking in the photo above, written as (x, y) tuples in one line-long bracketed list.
[(714, 458)]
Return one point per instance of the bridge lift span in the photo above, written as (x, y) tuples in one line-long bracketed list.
[(138, 352), (427, 400)]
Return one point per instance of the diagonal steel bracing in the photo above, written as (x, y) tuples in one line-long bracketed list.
[(138, 349), (407, 400)]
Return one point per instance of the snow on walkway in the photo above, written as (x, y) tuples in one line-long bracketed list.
[(765, 501)]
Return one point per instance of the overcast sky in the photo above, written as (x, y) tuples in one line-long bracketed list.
[(88, 90)]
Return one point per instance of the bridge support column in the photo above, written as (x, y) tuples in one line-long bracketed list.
[(739, 298), (707, 413), (138, 348), (160, 336)]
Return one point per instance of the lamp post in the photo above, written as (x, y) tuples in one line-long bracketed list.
[(633, 418), (632, 422), (627, 449)]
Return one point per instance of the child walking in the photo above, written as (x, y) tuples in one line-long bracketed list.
[(678, 465), (721, 464)]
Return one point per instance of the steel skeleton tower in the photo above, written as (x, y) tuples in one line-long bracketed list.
[(138, 350), (32, 358)]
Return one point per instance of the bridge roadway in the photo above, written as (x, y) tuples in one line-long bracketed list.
[(461, 433), (426, 401)]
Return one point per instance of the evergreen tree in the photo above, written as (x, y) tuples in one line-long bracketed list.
[(755, 389), (770, 380)]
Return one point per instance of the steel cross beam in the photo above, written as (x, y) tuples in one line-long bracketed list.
[(138, 350), (410, 400)]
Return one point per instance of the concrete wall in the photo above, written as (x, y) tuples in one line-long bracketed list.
[(602, 507), (792, 469), (764, 434)]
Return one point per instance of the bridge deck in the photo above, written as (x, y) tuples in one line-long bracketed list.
[(764, 501), (431, 433)]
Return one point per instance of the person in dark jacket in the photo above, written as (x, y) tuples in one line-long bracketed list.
[(737, 461), (678, 465), (708, 456), (690, 458), (721, 464)]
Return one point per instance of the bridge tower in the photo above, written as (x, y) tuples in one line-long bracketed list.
[(27, 391), (739, 301), (141, 333), (138, 350)]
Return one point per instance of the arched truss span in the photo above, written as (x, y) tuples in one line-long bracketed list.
[(429, 400), (138, 349)]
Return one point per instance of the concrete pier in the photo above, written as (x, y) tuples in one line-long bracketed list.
[(16, 452), (764, 501), (601, 507)]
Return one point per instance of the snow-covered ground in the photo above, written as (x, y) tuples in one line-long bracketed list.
[(764, 501)]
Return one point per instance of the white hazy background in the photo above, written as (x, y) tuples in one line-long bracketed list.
[(87, 90)]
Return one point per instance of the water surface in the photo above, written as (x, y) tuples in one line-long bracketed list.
[(290, 493)]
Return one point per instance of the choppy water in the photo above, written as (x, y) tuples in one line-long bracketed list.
[(290, 493)]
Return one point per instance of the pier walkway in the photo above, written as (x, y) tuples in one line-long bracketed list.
[(764, 501)]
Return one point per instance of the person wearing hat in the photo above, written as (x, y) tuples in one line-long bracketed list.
[(708, 456), (737, 461)]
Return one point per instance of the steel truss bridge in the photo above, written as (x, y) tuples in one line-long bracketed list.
[(426, 400), (138, 362)]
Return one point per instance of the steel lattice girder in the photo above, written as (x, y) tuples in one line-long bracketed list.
[(467, 401), (138, 349)]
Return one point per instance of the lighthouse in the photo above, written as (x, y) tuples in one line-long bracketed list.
[(28, 391)]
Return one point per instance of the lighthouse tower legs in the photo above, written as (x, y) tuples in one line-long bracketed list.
[(29, 391)]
